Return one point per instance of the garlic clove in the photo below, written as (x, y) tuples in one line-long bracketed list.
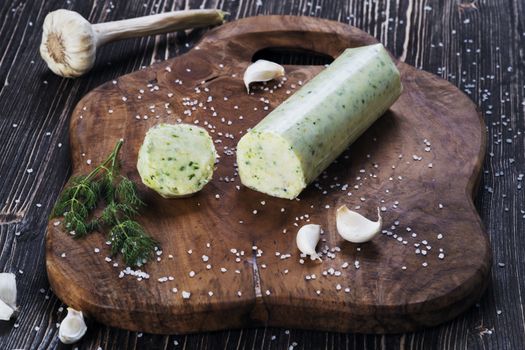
[(72, 327), (5, 311), (8, 289), (262, 70), (354, 227), (307, 239)]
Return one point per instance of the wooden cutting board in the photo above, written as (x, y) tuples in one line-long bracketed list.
[(420, 162)]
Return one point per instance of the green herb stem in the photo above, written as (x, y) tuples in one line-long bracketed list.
[(77, 202)]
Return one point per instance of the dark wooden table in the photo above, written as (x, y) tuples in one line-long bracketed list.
[(478, 46)]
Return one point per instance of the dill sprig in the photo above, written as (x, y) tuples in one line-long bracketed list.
[(76, 203), (122, 203)]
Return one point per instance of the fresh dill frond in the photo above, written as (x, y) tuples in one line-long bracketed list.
[(104, 184), (126, 193), (108, 187), (76, 203), (131, 240), (109, 214), (115, 212)]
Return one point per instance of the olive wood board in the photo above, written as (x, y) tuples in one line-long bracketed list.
[(386, 287)]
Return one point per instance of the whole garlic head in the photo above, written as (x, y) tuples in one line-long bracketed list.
[(72, 327), (68, 43)]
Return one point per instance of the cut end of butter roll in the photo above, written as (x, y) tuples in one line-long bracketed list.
[(176, 160), (293, 144), (267, 164)]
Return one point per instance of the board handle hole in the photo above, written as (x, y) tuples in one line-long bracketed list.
[(293, 56)]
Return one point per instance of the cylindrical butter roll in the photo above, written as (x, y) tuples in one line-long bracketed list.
[(293, 144)]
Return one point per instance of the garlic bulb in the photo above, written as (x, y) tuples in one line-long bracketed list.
[(7, 295), (307, 239), (69, 41), (68, 52), (354, 227), (72, 327), (262, 70)]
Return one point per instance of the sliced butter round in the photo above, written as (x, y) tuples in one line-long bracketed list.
[(176, 160)]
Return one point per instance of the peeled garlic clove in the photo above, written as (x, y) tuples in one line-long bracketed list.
[(307, 239), (262, 70), (354, 227), (72, 327), (8, 289), (5, 311)]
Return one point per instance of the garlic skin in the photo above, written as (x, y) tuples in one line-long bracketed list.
[(354, 227), (68, 43), (72, 328), (5, 311), (262, 70), (7, 295), (307, 239), (8, 289)]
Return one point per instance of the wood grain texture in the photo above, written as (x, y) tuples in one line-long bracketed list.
[(393, 288), (475, 47)]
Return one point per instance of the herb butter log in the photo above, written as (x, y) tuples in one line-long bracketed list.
[(293, 144), (176, 160)]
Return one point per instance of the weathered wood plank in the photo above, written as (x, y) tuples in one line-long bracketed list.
[(439, 36)]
